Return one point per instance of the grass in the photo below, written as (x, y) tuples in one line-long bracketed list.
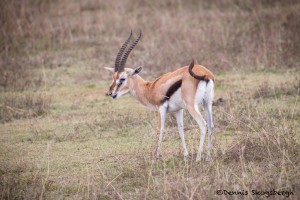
[(24, 105), (62, 138), (101, 149)]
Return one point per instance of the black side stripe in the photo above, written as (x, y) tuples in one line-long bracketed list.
[(172, 90)]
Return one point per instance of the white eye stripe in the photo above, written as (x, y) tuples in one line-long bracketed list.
[(121, 80)]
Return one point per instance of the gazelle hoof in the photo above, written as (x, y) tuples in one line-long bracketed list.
[(185, 154)]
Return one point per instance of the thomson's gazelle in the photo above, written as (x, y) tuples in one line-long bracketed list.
[(184, 88)]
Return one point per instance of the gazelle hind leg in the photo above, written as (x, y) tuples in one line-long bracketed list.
[(208, 99), (194, 111), (179, 118), (210, 126)]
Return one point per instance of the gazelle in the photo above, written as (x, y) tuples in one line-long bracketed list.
[(184, 88)]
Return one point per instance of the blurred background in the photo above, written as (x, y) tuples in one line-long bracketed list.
[(221, 35)]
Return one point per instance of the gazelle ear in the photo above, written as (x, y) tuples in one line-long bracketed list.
[(136, 71), (110, 69)]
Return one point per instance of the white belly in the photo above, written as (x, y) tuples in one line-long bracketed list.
[(151, 107), (176, 102)]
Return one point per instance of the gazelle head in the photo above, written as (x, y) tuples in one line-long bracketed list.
[(122, 76)]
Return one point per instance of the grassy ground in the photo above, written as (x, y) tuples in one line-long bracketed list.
[(62, 138), (89, 146)]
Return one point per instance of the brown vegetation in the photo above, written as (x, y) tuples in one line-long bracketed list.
[(17, 106), (220, 35), (61, 138)]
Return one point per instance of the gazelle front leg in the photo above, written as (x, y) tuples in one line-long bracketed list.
[(179, 118), (162, 114)]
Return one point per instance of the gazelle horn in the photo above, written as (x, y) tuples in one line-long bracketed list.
[(121, 50), (124, 58)]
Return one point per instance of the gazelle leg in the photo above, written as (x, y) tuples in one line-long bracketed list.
[(162, 113), (208, 100), (157, 134), (210, 126), (194, 111), (179, 118)]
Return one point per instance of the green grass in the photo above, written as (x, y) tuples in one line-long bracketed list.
[(90, 146)]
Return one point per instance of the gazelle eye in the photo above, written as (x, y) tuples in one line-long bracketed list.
[(122, 79)]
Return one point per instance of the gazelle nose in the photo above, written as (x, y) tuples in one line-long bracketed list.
[(108, 93)]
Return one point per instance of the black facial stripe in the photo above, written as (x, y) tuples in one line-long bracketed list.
[(172, 90), (112, 87)]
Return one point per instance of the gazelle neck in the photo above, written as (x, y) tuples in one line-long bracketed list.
[(137, 87), (139, 90)]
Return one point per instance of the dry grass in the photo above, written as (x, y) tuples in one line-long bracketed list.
[(61, 138), (235, 34), (28, 105), (82, 151)]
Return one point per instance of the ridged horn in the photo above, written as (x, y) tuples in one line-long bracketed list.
[(124, 58), (120, 53)]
